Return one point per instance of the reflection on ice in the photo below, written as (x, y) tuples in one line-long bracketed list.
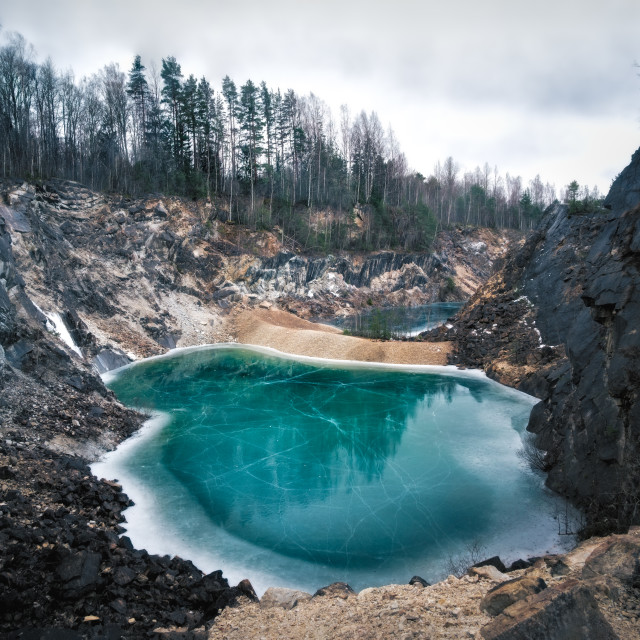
[(303, 473), (398, 321)]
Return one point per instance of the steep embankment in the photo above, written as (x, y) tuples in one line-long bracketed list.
[(62, 562), (138, 277), (131, 279), (561, 320)]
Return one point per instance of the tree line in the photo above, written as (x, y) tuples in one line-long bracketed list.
[(267, 157)]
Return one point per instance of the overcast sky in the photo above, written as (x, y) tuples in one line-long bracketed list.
[(546, 87)]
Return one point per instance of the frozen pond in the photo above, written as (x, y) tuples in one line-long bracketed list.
[(301, 472)]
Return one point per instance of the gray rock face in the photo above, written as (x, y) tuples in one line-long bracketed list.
[(282, 598), (15, 219), (567, 305), (290, 273), (568, 612), (8, 279), (109, 359), (585, 286), (625, 190), (17, 351)]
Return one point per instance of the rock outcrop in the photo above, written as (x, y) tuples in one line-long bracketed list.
[(88, 283), (595, 597), (63, 564), (130, 279), (136, 278), (592, 598), (324, 286), (560, 321)]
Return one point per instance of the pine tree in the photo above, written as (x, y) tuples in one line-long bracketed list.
[(251, 126), (230, 94), (138, 92), (269, 117), (172, 98), (189, 110), (205, 118)]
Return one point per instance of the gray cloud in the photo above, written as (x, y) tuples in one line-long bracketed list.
[(567, 64)]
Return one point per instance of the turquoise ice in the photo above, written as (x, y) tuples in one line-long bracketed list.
[(300, 472)]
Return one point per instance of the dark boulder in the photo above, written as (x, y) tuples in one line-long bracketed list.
[(335, 590), (510, 592), (516, 565), (79, 574), (618, 557), (494, 561)]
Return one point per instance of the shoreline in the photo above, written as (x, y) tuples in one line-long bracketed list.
[(447, 370), (295, 336), (127, 280), (444, 370)]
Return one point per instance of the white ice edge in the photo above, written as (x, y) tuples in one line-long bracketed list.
[(445, 370), (149, 529)]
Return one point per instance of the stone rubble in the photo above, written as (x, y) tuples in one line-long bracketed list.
[(598, 597), (528, 605), (133, 279)]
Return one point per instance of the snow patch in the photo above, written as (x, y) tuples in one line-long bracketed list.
[(55, 324), (61, 329)]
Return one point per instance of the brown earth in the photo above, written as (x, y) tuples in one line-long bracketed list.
[(288, 333), (598, 576)]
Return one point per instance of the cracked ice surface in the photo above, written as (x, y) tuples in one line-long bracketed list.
[(301, 473)]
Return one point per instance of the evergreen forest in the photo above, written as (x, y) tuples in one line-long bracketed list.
[(266, 157)]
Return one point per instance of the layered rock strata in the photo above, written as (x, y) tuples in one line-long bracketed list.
[(560, 321), (132, 279), (120, 280)]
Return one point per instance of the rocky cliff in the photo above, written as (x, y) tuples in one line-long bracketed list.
[(62, 562), (90, 282), (561, 320), (129, 279)]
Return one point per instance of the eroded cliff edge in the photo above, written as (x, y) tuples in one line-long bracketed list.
[(560, 320), (138, 277), (127, 280)]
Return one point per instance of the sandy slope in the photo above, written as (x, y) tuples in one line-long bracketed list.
[(290, 334)]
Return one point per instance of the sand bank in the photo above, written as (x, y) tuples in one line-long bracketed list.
[(288, 333)]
